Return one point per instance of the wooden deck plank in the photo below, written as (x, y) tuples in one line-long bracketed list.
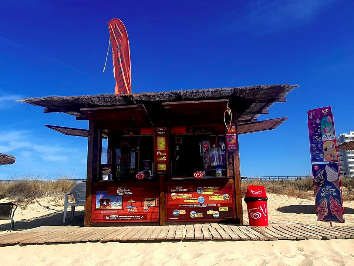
[(42, 237), (189, 232), (288, 231), (269, 235), (270, 231), (238, 232), (257, 234), (127, 234), (127, 237), (346, 230), (115, 235), (249, 233), (49, 238), (206, 233), (179, 233), (311, 233), (140, 234), (171, 232), (147, 233), (155, 233), (338, 231), (198, 233), (323, 232), (214, 233), (281, 234), (299, 231), (97, 235), (163, 233), (16, 238), (221, 231), (231, 233)]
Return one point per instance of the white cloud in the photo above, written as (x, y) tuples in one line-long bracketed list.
[(21, 141), (265, 16), (55, 158), (8, 100), (45, 159), (14, 145), (26, 153), (7, 136)]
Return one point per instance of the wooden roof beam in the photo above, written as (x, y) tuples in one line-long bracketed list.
[(167, 104)]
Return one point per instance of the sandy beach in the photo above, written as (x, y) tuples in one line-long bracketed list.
[(282, 210)]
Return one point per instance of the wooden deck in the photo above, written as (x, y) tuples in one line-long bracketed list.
[(196, 232)]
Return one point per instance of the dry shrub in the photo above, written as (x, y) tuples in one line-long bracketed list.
[(23, 191), (295, 188), (299, 188), (348, 182)]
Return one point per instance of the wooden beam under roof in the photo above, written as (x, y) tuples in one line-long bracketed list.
[(133, 116), (166, 104), (69, 131), (260, 125)]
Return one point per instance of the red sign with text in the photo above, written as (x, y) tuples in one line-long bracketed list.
[(201, 202), (125, 204)]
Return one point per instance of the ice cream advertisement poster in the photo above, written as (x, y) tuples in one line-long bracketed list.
[(328, 192), (105, 201), (323, 144)]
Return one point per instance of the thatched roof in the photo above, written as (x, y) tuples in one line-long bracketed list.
[(249, 101), (6, 159)]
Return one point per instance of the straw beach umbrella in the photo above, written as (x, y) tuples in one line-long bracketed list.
[(6, 159)]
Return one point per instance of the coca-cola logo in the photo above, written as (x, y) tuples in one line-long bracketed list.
[(140, 176), (256, 192)]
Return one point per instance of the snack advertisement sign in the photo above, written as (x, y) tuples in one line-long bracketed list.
[(205, 203), (324, 159), (328, 193), (323, 143)]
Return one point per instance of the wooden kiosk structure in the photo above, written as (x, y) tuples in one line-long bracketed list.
[(170, 157)]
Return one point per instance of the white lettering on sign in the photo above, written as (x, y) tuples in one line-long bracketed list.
[(258, 192), (256, 213)]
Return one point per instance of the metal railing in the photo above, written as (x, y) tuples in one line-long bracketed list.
[(275, 178), (46, 180)]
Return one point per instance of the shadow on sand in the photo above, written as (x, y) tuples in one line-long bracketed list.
[(307, 209), (54, 219)]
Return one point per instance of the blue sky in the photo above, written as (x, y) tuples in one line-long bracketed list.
[(59, 48)]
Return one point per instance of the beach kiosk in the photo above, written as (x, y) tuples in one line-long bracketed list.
[(172, 157)]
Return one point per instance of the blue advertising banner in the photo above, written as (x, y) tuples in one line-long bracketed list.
[(323, 144), (327, 192), (324, 159)]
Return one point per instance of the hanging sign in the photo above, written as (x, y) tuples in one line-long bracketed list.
[(231, 139), (121, 56), (323, 144), (161, 149), (325, 170), (327, 192)]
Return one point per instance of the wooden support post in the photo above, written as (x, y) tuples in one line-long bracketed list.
[(93, 167), (238, 192), (237, 176), (162, 200), (162, 168)]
